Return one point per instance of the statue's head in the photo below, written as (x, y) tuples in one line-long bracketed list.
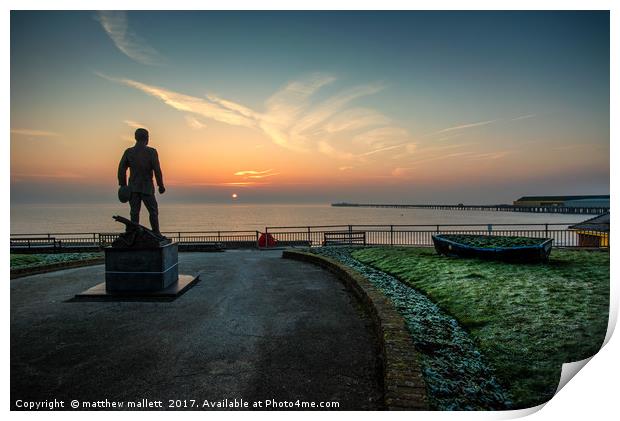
[(142, 136)]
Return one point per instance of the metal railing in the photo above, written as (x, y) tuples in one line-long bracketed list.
[(230, 239), (421, 235), (315, 235), (187, 240)]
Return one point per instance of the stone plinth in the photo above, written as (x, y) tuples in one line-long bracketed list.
[(141, 270), (140, 265)]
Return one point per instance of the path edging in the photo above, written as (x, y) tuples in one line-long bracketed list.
[(35, 270), (403, 385)]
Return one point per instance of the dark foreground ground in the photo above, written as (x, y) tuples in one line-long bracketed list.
[(256, 327)]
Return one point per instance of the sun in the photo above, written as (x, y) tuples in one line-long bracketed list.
[(234, 195)]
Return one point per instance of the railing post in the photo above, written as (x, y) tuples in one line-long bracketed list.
[(391, 235), (179, 237), (490, 228), (437, 229), (350, 234), (266, 237), (309, 238), (257, 237)]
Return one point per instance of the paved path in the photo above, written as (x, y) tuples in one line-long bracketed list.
[(255, 327)]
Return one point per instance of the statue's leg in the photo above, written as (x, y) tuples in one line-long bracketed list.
[(151, 206), (135, 203)]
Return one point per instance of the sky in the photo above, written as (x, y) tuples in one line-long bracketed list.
[(312, 107)]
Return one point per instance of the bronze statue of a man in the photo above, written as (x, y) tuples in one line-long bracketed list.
[(143, 162)]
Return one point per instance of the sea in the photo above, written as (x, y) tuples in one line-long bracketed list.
[(90, 218)]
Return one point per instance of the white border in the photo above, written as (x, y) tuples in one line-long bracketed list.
[(592, 394)]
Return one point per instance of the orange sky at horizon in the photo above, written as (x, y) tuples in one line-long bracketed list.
[(213, 156), (379, 113)]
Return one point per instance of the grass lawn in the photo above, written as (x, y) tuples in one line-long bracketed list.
[(23, 261), (527, 319)]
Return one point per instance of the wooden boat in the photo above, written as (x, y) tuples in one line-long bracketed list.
[(453, 245)]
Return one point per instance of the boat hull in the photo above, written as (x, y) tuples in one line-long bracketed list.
[(520, 254)]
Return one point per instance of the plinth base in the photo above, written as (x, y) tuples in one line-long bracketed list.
[(141, 270), (99, 292)]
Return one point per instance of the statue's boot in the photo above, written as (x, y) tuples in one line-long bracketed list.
[(154, 224)]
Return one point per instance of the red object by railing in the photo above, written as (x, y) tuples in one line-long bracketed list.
[(266, 240)]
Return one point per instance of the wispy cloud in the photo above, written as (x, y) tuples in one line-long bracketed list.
[(354, 119), (34, 133), (240, 184), (252, 172), (424, 153), (410, 149), (243, 184), (491, 155), (135, 124), (116, 26), (327, 109), (345, 168), (450, 136), (402, 171), (233, 106), (292, 119), (384, 149), (523, 117), (382, 136), (476, 124), (465, 126), (327, 149), (190, 103), (438, 158), (434, 149), (263, 176), (194, 123), (385, 139), (466, 155), (256, 174)]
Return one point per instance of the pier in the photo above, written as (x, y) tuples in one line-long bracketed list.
[(496, 208)]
